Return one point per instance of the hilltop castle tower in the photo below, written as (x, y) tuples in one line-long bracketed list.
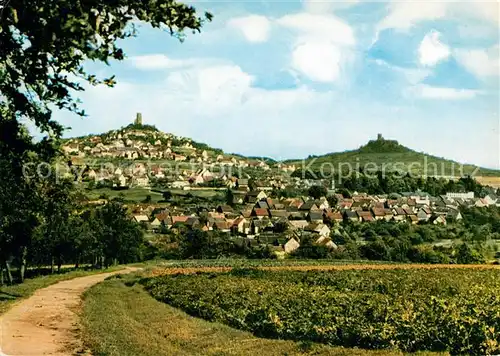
[(379, 137), (138, 119)]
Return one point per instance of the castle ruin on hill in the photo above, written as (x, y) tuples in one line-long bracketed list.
[(138, 119)]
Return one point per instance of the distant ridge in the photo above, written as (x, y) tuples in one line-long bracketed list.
[(382, 154), (379, 153)]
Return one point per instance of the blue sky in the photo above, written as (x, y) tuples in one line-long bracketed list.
[(288, 79)]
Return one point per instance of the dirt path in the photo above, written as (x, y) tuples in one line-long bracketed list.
[(47, 323)]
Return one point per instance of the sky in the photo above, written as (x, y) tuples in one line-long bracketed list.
[(287, 79)]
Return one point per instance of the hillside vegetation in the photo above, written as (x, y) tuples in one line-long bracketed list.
[(389, 155)]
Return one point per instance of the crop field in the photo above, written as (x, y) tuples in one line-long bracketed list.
[(226, 265), (121, 319), (372, 306), (489, 180), (132, 194)]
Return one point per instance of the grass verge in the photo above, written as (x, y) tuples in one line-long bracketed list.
[(123, 320)]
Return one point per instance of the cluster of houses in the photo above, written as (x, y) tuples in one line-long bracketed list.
[(146, 175), (134, 143), (258, 215), (126, 144)]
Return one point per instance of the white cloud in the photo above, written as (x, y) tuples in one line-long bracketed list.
[(322, 6), (412, 75), (432, 50), (322, 46), (327, 27), (155, 61), (480, 62), (402, 15), (255, 28), (160, 61), (430, 92), (319, 60), (487, 12), (215, 88)]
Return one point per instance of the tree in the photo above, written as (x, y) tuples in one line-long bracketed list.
[(20, 202), (467, 255), (309, 249), (345, 193), (280, 226), (317, 191), (58, 206), (167, 195), (119, 237), (376, 250), (332, 200), (229, 197), (43, 46), (201, 244)]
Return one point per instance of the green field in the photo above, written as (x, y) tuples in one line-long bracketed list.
[(434, 309), (132, 194), (121, 319), (138, 194)]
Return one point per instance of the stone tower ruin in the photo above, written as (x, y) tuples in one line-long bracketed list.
[(138, 119)]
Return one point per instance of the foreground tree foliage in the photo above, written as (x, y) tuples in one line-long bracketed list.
[(44, 43), (43, 47)]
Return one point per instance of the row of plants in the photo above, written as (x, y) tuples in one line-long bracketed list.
[(253, 263), (433, 309)]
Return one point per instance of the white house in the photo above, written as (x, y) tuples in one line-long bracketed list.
[(141, 218), (468, 195)]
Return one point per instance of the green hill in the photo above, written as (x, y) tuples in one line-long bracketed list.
[(389, 155)]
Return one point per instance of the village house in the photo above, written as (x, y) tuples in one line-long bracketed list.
[(260, 213), (291, 245), (242, 184), (72, 148), (120, 181), (179, 184), (141, 181), (413, 219), (241, 226), (350, 215), (254, 196), (422, 215), (224, 209), (399, 214), (315, 216), (326, 241), (333, 216), (468, 195), (365, 216), (438, 220), (222, 226), (141, 218), (319, 228), (378, 213), (298, 224)]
